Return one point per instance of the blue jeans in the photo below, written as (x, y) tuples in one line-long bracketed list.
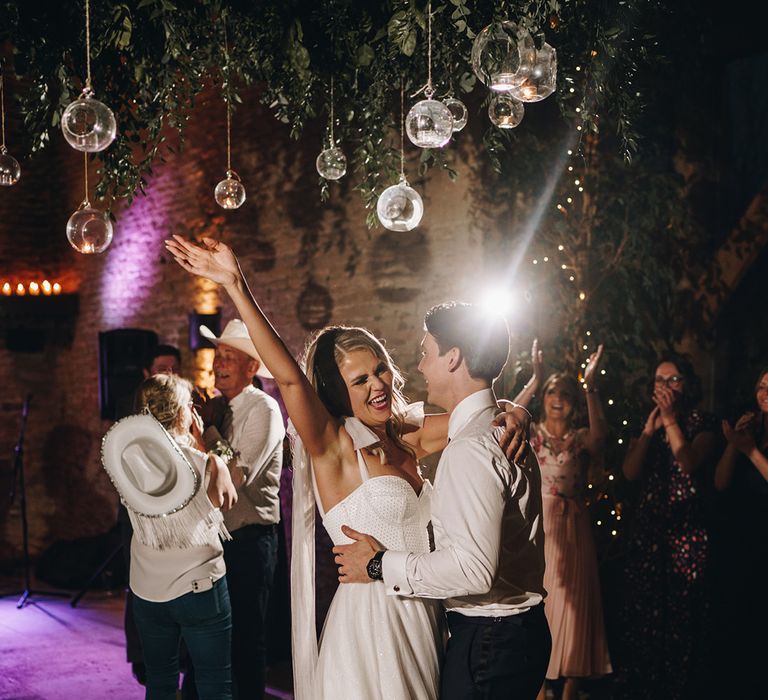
[(204, 620)]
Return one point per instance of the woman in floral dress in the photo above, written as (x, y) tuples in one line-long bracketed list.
[(573, 605)]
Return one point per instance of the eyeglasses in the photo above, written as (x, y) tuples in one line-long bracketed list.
[(674, 380)]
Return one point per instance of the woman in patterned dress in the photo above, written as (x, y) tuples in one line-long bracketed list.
[(667, 627)]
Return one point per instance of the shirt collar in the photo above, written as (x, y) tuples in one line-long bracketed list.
[(250, 389), (467, 408)]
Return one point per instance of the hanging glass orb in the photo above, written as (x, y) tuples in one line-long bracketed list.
[(539, 78), (505, 112), (400, 207), (458, 111), (89, 230), (230, 193), (331, 163), (429, 124), (88, 125), (10, 170), (498, 52)]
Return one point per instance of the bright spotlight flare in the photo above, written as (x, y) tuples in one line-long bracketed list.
[(507, 59), (496, 302)]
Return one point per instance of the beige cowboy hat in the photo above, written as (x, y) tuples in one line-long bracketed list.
[(147, 467), (236, 335)]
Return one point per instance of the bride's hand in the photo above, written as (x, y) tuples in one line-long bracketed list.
[(213, 259)]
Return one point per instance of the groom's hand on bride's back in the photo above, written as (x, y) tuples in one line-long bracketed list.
[(352, 559)]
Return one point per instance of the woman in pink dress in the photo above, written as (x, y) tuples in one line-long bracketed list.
[(573, 605)]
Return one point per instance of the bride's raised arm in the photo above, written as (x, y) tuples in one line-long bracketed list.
[(216, 261)]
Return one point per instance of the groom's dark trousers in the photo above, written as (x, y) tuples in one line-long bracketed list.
[(489, 658)]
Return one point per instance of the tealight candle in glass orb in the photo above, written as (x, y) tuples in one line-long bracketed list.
[(230, 193), (505, 112), (498, 52), (88, 125), (429, 124), (331, 163), (458, 111), (539, 79), (400, 207), (89, 230), (10, 170)]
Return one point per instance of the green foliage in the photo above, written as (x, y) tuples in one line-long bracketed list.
[(151, 58)]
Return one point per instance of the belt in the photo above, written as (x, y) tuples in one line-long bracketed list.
[(481, 620)]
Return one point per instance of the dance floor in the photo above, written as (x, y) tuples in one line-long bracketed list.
[(51, 651)]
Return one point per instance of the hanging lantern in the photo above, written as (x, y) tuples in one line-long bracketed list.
[(400, 207), (10, 170), (505, 112), (498, 52), (331, 163), (89, 230), (429, 124), (458, 111), (230, 193), (88, 125), (538, 79)]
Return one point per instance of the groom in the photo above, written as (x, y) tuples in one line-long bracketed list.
[(488, 564)]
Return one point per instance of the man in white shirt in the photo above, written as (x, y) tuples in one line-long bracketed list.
[(253, 427), (488, 564)]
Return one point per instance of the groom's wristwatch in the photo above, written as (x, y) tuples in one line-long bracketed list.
[(374, 568)]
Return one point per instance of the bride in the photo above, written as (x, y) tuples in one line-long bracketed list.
[(356, 455)]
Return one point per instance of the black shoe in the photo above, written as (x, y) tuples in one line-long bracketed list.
[(139, 672)]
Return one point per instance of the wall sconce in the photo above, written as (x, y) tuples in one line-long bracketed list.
[(213, 321)]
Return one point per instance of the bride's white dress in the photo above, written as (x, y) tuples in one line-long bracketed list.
[(374, 646)]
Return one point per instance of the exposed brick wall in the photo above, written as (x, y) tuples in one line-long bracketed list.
[(286, 238)]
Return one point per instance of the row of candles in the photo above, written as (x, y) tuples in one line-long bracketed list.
[(33, 289)]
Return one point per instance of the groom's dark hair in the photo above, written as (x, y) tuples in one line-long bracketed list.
[(483, 338)]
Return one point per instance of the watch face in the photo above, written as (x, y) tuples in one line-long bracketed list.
[(374, 569)]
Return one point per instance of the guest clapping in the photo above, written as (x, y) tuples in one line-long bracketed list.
[(667, 615)]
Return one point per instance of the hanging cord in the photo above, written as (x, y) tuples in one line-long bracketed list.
[(85, 167), (2, 108), (87, 89), (402, 128), (226, 99), (429, 90), (333, 141)]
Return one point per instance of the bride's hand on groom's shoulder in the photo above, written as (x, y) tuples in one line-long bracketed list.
[(512, 429), (352, 559)]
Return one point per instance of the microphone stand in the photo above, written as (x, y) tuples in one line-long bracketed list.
[(18, 473)]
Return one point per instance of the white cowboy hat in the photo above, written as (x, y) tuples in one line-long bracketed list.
[(147, 467), (159, 486), (236, 335)]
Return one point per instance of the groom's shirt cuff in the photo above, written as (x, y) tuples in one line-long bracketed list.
[(394, 567)]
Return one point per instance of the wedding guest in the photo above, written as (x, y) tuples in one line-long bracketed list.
[(172, 491), (667, 621), (742, 477), (567, 455)]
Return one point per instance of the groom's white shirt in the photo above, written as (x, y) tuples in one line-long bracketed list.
[(486, 516)]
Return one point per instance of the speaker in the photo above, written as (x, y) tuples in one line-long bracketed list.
[(121, 363)]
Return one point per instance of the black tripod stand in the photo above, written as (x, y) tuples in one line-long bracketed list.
[(18, 474)]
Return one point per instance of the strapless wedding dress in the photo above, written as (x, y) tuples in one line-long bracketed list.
[(374, 646)]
